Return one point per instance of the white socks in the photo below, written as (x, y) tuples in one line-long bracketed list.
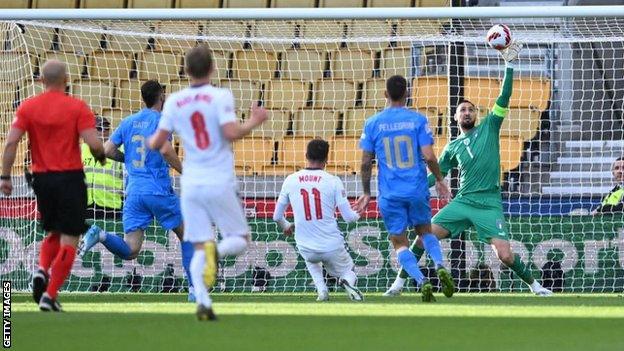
[(231, 246), (398, 283), (197, 274), (350, 277), (316, 271), (535, 285)]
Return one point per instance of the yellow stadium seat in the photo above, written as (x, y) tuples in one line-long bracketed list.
[(363, 28), (163, 66), (293, 3), (315, 123), (432, 3), (104, 4), (8, 96), (335, 94), (245, 3), (258, 65), (420, 28), (55, 4), (303, 64), (151, 3), (115, 116), (353, 122), (481, 91), (522, 123), (33, 89), (226, 29), (75, 62), (15, 66), (345, 154), (197, 3), (292, 152), (274, 29), (435, 119), (79, 41), (22, 158), (131, 43), (245, 92), (40, 40), (14, 4), (530, 93), (97, 94), (318, 30), (510, 152), (110, 65), (179, 45), (374, 96), (397, 61), (348, 64), (342, 3), (251, 155), (430, 91), (176, 85), (129, 95), (275, 127), (389, 3), (439, 143), (287, 94)]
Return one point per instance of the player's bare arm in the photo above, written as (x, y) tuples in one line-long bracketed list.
[(235, 130), (8, 158), (366, 171), (442, 188), (112, 151), (91, 137), (158, 140), (171, 156)]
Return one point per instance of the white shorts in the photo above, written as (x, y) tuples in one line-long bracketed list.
[(203, 207), (337, 262)]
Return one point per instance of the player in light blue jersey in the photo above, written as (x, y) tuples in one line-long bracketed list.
[(401, 139), (149, 192)]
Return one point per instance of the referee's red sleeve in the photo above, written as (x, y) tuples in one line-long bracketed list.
[(86, 118), (20, 121)]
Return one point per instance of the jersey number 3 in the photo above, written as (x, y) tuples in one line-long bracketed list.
[(202, 140), (317, 204)]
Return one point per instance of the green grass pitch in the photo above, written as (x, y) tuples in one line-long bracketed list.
[(297, 322)]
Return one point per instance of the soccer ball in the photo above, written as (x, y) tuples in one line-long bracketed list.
[(499, 37)]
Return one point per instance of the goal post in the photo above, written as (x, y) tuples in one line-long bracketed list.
[(321, 73)]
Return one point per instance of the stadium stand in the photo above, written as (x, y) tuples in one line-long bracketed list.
[(54, 4), (113, 65), (103, 4)]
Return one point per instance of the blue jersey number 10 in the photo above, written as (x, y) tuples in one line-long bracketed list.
[(393, 150)]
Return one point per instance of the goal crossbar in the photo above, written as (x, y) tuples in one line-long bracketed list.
[(315, 13)]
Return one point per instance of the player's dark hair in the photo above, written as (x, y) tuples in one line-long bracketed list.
[(396, 86), (468, 101), (621, 158), (150, 92), (317, 150), (198, 62)]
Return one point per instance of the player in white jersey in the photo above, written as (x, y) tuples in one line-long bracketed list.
[(314, 195), (203, 116)]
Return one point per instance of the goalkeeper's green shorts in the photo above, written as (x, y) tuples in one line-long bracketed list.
[(483, 211)]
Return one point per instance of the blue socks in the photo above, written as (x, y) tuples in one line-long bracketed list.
[(409, 263), (187, 255), (432, 246), (117, 246)]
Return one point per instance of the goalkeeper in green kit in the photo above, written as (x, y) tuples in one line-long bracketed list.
[(476, 152)]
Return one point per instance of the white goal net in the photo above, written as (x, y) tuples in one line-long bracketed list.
[(323, 78)]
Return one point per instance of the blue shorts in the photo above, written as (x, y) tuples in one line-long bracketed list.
[(400, 213), (140, 210)]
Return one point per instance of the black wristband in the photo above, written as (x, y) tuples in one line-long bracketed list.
[(8, 177)]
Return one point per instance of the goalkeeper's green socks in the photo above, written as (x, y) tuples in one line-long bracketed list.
[(521, 270)]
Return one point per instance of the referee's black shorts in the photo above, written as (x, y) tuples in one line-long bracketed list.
[(61, 200)]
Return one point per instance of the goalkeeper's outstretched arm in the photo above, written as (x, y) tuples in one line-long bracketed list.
[(501, 107)]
